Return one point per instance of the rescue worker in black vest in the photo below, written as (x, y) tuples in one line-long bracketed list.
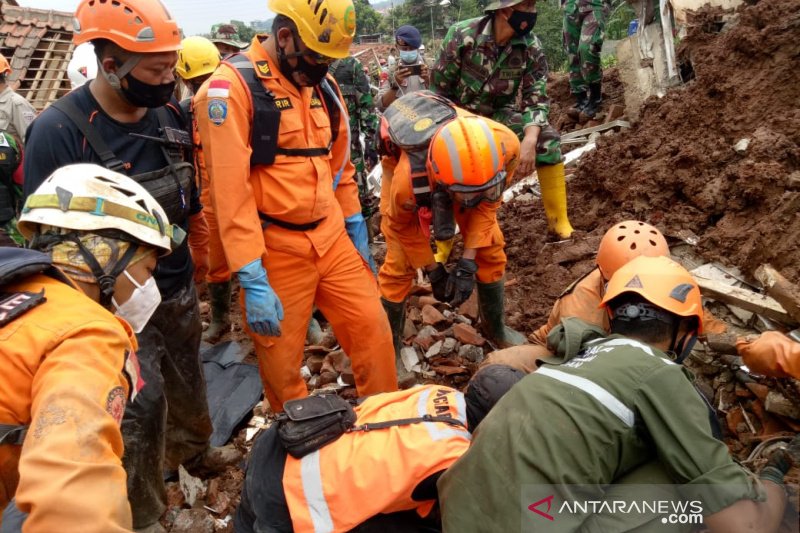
[(197, 60), (127, 120), (10, 191), (600, 408), (67, 365), (275, 140), (380, 476)]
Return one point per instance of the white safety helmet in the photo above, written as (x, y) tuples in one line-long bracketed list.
[(83, 65), (88, 197)]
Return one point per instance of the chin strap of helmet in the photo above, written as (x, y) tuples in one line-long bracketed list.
[(105, 280), (681, 348)]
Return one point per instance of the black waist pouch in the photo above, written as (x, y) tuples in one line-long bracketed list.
[(310, 423)]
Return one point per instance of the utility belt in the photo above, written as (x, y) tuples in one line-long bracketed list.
[(266, 220), (10, 434)]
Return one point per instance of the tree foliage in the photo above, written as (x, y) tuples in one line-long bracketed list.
[(368, 20)]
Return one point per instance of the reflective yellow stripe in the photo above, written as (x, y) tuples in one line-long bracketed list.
[(311, 476)]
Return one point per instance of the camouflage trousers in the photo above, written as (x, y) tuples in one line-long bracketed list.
[(548, 146), (369, 204), (584, 31)]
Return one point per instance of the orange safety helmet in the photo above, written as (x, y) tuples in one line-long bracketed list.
[(138, 26), (5, 68), (468, 160), (626, 241), (662, 282)]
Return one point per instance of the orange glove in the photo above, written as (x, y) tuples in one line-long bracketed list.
[(198, 245), (772, 354)]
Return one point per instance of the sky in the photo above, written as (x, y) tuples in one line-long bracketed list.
[(193, 16)]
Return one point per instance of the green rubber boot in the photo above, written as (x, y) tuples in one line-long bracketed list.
[(397, 321), (491, 308), (220, 295)]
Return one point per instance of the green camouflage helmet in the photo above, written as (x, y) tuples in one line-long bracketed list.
[(500, 4)]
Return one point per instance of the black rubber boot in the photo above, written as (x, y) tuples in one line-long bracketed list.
[(491, 308), (397, 321), (581, 99), (220, 295), (595, 100)]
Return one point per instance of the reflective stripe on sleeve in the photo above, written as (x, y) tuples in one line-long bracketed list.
[(617, 408), (311, 476)]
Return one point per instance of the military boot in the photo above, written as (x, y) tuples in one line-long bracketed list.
[(595, 100), (220, 295), (581, 99), (491, 309), (397, 321)]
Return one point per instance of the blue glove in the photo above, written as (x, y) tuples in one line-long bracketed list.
[(356, 228), (264, 309)]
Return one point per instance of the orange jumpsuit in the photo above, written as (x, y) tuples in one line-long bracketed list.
[(408, 248), (61, 373), (217, 267), (772, 354), (319, 265)]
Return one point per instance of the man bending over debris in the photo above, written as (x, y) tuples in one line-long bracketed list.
[(602, 407), (380, 474), (444, 165), (68, 364)]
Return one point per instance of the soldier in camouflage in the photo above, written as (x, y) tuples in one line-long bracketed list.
[(354, 84), (484, 64), (584, 31)]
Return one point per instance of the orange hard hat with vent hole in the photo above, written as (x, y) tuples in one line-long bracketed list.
[(5, 68), (467, 159), (662, 282), (325, 26), (138, 26), (626, 241)]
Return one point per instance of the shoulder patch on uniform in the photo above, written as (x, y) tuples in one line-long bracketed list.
[(217, 111), (115, 404), (634, 283), (15, 304), (283, 103), (315, 101), (219, 89), (263, 70)]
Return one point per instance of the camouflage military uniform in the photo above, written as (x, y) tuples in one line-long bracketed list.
[(10, 192), (477, 75), (354, 84), (584, 31)]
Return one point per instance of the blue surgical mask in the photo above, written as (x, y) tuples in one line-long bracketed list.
[(409, 56)]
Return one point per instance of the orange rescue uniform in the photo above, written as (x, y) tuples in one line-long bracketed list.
[(319, 265), (365, 473), (408, 247), (61, 373), (772, 354)]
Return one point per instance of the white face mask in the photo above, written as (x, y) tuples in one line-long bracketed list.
[(138, 309)]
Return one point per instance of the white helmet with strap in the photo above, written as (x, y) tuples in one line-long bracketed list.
[(88, 197)]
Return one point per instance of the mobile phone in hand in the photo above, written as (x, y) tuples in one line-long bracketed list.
[(415, 70)]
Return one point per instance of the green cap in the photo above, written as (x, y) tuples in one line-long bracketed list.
[(500, 4)]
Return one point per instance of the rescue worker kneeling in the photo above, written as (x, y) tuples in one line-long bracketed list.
[(67, 364), (381, 474), (603, 406), (468, 162)]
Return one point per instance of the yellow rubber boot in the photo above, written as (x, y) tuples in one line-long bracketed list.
[(443, 249), (554, 199)]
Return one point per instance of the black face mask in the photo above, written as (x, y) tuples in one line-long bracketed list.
[(314, 73), (143, 94), (522, 22)]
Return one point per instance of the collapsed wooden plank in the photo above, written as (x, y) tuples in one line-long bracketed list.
[(602, 127), (786, 293), (744, 298)]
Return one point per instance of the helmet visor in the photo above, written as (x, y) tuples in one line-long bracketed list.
[(471, 196)]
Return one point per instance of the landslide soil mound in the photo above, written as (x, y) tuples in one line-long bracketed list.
[(677, 166)]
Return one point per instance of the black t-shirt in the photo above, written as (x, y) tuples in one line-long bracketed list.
[(53, 141)]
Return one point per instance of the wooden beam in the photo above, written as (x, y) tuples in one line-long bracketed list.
[(744, 298), (602, 127), (784, 291)]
